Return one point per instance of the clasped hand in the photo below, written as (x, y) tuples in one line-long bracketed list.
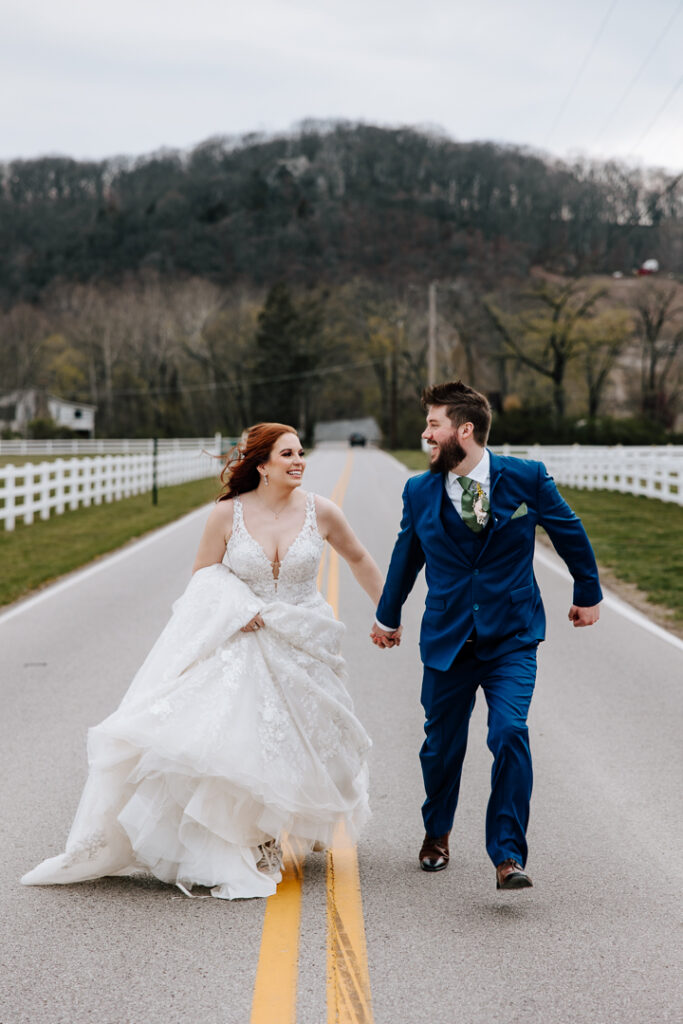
[(385, 638), (253, 624)]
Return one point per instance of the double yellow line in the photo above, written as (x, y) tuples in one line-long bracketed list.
[(348, 980)]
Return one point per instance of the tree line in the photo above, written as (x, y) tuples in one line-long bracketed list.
[(169, 357), (286, 277), (329, 202)]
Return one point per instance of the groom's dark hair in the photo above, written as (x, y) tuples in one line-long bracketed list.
[(463, 405)]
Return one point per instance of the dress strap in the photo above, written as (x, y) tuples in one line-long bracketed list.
[(238, 516), (311, 520)]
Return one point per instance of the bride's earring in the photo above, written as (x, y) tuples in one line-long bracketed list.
[(265, 479)]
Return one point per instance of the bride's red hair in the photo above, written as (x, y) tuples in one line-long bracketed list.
[(240, 473)]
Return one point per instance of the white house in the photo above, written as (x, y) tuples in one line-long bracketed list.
[(18, 408)]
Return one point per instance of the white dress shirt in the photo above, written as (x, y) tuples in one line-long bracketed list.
[(481, 474)]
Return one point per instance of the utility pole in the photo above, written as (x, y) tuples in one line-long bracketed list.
[(431, 349), (397, 341)]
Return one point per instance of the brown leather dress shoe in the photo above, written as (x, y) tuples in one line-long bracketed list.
[(434, 854), (511, 875)]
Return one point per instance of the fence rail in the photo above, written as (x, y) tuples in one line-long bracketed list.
[(655, 471), (36, 489), (108, 446)]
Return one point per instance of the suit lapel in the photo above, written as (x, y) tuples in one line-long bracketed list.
[(438, 487), (497, 467)]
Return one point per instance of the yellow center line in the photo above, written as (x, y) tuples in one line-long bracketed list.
[(348, 978), (274, 997), (348, 981)]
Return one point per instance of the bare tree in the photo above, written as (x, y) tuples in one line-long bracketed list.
[(544, 334), (23, 330), (224, 348), (658, 313), (602, 339)]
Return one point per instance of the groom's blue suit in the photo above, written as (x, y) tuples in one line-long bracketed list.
[(482, 589)]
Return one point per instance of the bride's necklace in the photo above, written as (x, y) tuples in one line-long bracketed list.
[(280, 510)]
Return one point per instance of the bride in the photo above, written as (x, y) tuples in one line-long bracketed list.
[(238, 727)]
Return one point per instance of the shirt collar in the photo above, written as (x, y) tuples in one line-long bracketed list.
[(481, 472)]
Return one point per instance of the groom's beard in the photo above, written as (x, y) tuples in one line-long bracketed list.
[(451, 454)]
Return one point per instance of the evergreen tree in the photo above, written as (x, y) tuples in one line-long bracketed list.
[(287, 355)]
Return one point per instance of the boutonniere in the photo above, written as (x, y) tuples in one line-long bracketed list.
[(479, 506)]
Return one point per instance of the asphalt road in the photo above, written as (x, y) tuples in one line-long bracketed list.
[(597, 940)]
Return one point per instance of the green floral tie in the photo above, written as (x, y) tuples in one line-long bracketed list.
[(475, 504)]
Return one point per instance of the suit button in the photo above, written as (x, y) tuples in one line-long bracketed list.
[(476, 572), (476, 607)]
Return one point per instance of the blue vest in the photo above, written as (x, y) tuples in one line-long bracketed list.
[(468, 541)]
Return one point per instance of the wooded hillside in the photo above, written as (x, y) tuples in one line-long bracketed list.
[(328, 203), (287, 278)]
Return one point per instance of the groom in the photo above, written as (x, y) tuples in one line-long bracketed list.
[(470, 521)]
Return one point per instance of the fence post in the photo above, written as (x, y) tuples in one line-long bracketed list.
[(155, 456), (44, 478), (9, 473), (29, 474), (59, 486), (72, 486)]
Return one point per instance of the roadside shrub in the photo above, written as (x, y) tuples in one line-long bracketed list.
[(538, 426), (44, 429)]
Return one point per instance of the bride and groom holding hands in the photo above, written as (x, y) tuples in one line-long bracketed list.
[(239, 728)]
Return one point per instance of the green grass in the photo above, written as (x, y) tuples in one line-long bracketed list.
[(31, 556), (20, 460), (412, 458), (639, 539)]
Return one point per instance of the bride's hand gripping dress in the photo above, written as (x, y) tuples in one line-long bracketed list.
[(226, 739)]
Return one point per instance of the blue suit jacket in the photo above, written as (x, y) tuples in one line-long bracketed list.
[(494, 591)]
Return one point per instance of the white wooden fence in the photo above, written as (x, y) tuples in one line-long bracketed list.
[(35, 489), (109, 446), (655, 471)]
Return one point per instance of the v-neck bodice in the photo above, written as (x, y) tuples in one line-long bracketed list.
[(298, 569)]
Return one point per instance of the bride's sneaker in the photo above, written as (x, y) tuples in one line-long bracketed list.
[(271, 860)]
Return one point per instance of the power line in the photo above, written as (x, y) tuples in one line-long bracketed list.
[(629, 87), (244, 381), (657, 116), (582, 68)]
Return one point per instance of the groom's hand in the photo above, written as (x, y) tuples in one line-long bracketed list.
[(584, 616), (385, 637)]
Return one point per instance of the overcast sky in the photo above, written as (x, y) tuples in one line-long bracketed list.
[(602, 78)]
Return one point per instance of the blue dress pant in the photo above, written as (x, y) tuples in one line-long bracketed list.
[(448, 699)]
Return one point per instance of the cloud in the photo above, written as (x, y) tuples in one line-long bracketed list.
[(94, 80)]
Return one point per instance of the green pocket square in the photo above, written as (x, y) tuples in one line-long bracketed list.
[(521, 511)]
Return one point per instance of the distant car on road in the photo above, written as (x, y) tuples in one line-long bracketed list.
[(357, 439)]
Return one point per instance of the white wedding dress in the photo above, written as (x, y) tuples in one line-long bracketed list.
[(226, 740)]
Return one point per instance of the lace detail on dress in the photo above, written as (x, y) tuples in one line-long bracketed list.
[(85, 849), (296, 582), (226, 740)]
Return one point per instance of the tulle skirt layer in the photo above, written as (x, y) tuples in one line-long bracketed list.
[(225, 742)]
